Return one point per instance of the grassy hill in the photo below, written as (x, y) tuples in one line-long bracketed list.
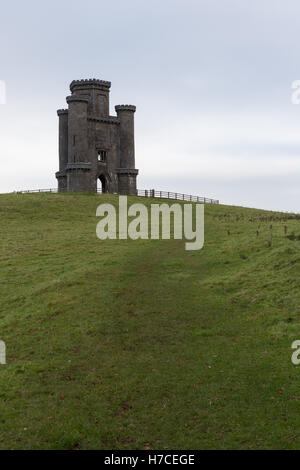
[(140, 344)]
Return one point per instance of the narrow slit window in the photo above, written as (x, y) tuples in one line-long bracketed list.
[(102, 154)]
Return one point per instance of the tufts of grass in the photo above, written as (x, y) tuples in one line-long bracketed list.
[(124, 344)]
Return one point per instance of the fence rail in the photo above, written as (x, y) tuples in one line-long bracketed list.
[(25, 191), (141, 192), (177, 196)]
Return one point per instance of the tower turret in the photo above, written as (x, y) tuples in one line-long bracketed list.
[(78, 167), (62, 149), (126, 173), (96, 92)]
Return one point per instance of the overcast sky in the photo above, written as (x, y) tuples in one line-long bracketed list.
[(211, 80)]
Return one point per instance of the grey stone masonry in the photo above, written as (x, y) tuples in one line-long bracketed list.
[(94, 146)]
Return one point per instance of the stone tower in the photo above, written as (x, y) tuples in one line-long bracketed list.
[(93, 145)]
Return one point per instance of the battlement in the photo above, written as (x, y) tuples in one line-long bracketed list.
[(125, 107), (108, 120), (90, 83), (60, 112)]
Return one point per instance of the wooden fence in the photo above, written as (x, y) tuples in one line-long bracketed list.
[(142, 192), (177, 196)]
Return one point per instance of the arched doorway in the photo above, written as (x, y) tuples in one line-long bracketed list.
[(102, 185)]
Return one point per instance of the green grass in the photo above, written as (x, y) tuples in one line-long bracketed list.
[(124, 344)]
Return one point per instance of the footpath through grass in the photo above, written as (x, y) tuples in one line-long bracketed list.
[(141, 344)]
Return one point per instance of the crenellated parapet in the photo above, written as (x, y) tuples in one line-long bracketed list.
[(90, 83), (125, 107), (61, 112), (108, 120)]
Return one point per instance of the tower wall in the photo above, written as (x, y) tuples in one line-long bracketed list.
[(126, 172), (127, 181), (125, 115), (63, 149), (78, 167), (77, 129)]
